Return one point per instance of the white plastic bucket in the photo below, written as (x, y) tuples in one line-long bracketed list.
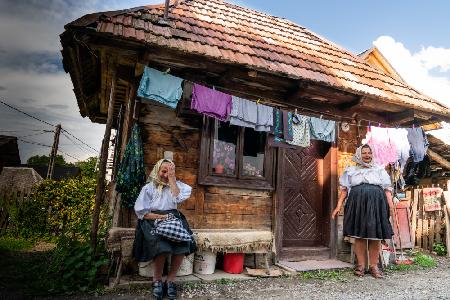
[(187, 265), (146, 268), (204, 262)]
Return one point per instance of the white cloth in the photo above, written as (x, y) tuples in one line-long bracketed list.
[(246, 113), (400, 138), (356, 175), (149, 199)]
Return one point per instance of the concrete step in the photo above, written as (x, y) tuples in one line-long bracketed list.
[(305, 253), (311, 265)]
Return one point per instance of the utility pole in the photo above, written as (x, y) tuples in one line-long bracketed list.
[(54, 151)]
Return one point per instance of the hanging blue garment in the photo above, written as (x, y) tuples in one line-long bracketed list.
[(323, 130), (161, 87), (131, 174), (419, 143)]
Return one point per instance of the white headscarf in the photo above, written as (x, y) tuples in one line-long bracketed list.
[(357, 158), (154, 176)]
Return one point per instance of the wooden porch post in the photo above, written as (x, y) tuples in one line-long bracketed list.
[(101, 184)]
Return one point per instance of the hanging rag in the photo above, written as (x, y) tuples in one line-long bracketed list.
[(323, 130), (282, 128), (265, 118), (419, 143), (384, 150), (210, 102), (161, 87), (131, 174), (432, 199), (243, 112), (399, 136), (301, 128)]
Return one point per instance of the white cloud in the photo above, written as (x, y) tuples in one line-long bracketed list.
[(416, 69)]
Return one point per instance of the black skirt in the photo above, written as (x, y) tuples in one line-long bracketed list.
[(148, 245), (366, 213)]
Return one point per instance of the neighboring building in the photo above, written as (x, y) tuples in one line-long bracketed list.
[(9, 152), (18, 179), (249, 54), (59, 172)]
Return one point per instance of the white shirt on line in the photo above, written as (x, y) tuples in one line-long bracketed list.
[(149, 198)]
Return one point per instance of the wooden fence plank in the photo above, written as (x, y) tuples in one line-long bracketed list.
[(447, 230), (437, 228), (431, 232), (419, 233), (414, 216), (425, 234)]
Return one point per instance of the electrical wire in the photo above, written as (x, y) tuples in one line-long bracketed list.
[(25, 113), (84, 148), (33, 143)]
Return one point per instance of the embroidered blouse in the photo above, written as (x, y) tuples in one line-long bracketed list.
[(356, 175), (149, 198)]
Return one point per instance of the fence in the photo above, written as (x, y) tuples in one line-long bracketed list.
[(10, 199), (429, 227)]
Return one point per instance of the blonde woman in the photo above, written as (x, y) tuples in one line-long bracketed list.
[(157, 199)]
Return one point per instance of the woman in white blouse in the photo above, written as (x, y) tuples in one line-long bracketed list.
[(368, 191), (157, 199)]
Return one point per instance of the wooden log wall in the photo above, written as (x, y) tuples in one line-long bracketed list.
[(209, 207)]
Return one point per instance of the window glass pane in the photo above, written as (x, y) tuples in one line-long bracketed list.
[(253, 153), (224, 152)]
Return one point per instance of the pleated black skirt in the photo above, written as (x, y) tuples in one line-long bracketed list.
[(148, 245), (366, 213)]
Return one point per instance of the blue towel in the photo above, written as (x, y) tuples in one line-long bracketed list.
[(323, 130), (160, 87)]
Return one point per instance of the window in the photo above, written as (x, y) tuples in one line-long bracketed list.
[(235, 156)]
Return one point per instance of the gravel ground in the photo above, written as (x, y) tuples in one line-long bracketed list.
[(420, 283)]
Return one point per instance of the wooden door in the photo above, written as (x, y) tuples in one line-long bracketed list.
[(302, 193)]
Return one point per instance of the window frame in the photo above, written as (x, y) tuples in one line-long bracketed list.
[(207, 177)]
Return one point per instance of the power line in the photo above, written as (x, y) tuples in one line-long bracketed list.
[(27, 114), (76, 158), (34, 134), (96, 151), (84, 148), (33, 143)]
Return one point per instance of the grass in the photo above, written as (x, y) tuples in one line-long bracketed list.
[(338, 275), (424, 260), (9, 244)]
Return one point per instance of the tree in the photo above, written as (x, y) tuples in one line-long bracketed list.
[(43, 160), (87, 167)]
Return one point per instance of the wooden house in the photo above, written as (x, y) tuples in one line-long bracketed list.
[(249, 54)]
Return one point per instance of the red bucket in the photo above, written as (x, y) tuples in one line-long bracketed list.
[(233, 263)]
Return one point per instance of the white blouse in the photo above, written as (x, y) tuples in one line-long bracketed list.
[(356, 175), (149, 198)]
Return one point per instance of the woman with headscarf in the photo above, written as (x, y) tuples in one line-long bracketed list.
[(158, 198), (367, 209)]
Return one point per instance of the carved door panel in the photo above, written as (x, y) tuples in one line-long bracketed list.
[(302, 192)]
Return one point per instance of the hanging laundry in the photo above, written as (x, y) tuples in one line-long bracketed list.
[(161, 87), (131, 174), (323, 130), (383, 147), (282, 128), (399, 136), (419, 143), (432, 199), (249, 114), (288, 131), (243, 113), (265, 118), (301, 128), (211, 102)]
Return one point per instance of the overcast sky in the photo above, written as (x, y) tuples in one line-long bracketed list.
[(412, 35)]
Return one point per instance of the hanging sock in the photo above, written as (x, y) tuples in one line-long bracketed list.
[(161, 87), (131, 174), (210, 102)]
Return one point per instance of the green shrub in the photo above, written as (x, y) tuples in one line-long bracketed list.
[(440, 249), (424, 260)]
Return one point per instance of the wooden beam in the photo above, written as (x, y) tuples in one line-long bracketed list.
[(101, 184), (347, 105), (439, 159)]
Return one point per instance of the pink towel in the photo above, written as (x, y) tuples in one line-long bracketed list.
[(383, 147)]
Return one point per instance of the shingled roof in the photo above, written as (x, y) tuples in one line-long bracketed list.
[(230, 33)]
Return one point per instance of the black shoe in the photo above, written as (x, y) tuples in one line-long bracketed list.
[(171, 290), (158, 290)]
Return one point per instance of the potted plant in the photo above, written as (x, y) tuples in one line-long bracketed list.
[(224, 156)]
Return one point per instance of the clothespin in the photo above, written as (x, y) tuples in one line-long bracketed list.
[(257, 101), (214, 87), (321, 116), (295, 111), (379, 124), (167, 71)]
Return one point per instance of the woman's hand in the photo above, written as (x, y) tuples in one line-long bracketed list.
[(171, 173), (335, 212), (152, 216)]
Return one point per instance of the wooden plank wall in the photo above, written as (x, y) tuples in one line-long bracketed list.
[(209, 207)]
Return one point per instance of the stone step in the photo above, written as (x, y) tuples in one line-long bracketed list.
[(305, 253)]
